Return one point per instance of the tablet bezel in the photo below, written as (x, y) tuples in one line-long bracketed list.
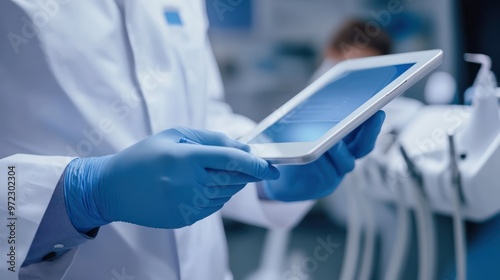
[(305, 152)]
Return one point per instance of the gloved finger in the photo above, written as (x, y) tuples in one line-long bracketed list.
[(361, 141), (228, 159), (213, 192), (223, 178), (209, 138), (341, 158), (352, 136), (211, 203)]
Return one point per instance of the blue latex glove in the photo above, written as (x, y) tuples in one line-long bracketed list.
[(320, 178), (160, 182)]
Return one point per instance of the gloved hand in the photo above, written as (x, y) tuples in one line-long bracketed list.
[(160, 182), (320, 178)]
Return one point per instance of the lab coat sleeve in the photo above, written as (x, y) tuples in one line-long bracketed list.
[(246, 205), (28, 183), (56, 234)]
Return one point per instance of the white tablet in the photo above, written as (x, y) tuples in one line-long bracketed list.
[(335, 104)]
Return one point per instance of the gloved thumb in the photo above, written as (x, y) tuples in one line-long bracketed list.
[(209, 138), (362, 140)]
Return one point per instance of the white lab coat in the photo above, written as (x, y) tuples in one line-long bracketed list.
[(90, 78)]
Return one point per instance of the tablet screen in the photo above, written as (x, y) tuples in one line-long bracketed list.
[(328, 106)]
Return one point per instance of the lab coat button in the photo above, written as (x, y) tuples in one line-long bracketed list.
[(50, 256), (58, 246)]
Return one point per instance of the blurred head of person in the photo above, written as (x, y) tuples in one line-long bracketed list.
[(355, 39)]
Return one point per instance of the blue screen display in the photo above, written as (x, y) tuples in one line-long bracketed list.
[(331, 104)]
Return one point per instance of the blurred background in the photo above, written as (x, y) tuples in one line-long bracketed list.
[(268, 50)]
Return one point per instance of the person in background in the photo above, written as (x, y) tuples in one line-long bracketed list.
[(354, 39)]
